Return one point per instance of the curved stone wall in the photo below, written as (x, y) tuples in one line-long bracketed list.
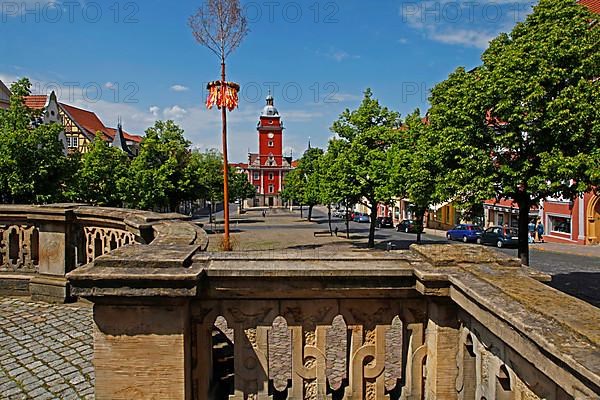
[(39, 245)]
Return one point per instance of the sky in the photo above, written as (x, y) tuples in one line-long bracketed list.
[(138, 60)]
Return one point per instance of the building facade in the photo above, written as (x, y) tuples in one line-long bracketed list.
[(505, 212), (267, 169), (4, 96), (81, 126), (572, 221)]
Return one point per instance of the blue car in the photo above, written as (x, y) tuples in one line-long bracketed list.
[(465, 232)]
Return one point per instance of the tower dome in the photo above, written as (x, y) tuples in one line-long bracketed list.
[(270, 110)]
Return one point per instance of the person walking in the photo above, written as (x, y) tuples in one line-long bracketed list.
[(539, 230)]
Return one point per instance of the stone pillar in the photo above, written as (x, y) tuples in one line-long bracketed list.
[(142, 323), (56, 256), (442, 339), (142, 351)]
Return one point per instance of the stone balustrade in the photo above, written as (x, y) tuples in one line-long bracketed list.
[(436, 322), (39, 245)]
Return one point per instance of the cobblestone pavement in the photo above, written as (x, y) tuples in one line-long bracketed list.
[(45, 350)]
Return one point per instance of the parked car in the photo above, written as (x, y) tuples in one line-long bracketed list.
[(385, 222), (359, 217), (408, 226), (464, 232), (338, 213), (500, 237)]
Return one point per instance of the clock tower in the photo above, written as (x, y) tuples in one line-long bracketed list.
[(267, 169)]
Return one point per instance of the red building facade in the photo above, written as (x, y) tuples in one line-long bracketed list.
[(267, 169), (576, 221)]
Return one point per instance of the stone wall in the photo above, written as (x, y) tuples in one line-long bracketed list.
[(39, 245), (436, 322)]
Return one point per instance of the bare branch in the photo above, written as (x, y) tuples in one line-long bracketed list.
[(220, 26)]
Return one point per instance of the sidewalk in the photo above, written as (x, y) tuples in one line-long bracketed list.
[(572, 249), (434, 232)]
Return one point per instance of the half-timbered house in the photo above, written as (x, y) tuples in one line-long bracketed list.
[(81, 126)]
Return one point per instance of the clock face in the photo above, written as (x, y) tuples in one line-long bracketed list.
[(271, 136)]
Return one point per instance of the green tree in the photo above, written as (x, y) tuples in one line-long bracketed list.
[(303, 184), (525, 124), (33, 166), (337, 185), (367, 134), (159, 175), (415, 168), (203, 176), (102, 175), (240, 187)]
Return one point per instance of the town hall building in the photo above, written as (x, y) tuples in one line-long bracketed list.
[(267, 169)]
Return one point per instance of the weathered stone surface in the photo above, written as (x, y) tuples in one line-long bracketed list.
[(153, 348)]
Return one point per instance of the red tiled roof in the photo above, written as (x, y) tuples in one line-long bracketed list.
[(592, 5), (239, 165), (86, 119), (36, 102)]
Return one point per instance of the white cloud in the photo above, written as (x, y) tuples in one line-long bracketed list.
[(8, 79), (154, 110), (175, 113), (109, 85), (179, 88), (469, 24), (342, 97), (338, 55), (465, 37)]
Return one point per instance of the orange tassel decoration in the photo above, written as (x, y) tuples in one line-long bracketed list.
[(226, 96)]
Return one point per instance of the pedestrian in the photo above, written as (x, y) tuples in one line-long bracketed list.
[(540, 231), (264, 213), (531, 229), (336, 231)]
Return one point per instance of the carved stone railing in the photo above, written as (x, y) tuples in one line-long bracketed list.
[(436, 322), (39, 245)]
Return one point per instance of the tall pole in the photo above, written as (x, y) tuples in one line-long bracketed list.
[(226, 242)]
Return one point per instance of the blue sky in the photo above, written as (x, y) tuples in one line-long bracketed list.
[(138, 59)]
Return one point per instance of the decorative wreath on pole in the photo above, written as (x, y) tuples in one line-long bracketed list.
[(226, 96)]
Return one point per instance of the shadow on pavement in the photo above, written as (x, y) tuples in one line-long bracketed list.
[(583, 285)]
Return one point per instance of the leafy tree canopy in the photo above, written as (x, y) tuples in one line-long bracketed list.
[(525, 124), (33, 166), (364, 138)]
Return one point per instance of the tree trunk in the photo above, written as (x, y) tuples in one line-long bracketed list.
[(420, 219), (301, 209), (329, 216), (373, 222), (310, 208), (523, 253), (347, 221)]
